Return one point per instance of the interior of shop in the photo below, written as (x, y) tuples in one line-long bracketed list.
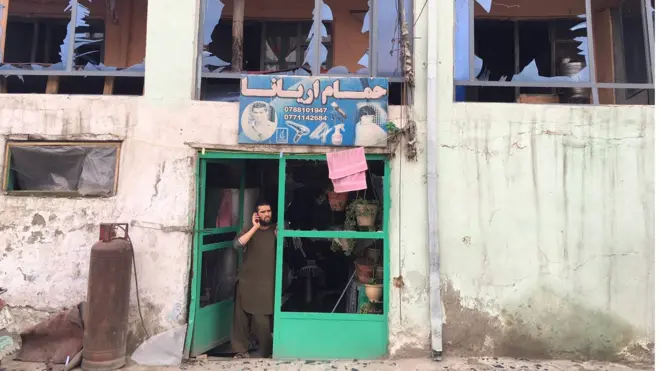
[(319, 275)]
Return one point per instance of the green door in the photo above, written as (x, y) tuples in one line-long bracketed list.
[(215, 261)]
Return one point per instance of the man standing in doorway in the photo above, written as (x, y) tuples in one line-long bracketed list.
[(255, 289)]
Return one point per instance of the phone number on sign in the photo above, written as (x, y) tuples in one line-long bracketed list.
[(296, 109), (306, 117)]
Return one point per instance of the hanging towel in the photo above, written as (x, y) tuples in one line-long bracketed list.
[(345, 163), (225, 210), (354, 182), (347, 170)]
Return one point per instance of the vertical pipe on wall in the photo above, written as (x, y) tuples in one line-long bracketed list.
[(432, 181)]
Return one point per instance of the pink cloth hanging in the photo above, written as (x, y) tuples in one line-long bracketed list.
[(225, 210), (347, 170)]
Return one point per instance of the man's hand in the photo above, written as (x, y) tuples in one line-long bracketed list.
[(255, 220)]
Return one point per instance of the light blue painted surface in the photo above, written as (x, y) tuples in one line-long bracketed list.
[(327, 111)]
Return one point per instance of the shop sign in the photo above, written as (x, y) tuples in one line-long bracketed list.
[(313, 111)]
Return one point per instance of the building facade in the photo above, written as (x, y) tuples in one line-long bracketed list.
[(542, 214)]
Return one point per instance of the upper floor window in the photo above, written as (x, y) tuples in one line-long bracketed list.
[(72, 46), (290, 37), (69, 169), (569, 51)]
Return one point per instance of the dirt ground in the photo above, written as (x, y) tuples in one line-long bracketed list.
[(418, 364)]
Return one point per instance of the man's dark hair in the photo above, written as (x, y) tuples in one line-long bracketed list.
[(366, 111), (257, 105), (261, 203)]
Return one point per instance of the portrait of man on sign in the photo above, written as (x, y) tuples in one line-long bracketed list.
[(259, 122)]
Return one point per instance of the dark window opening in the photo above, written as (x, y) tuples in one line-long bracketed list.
[(81, 169), (268, 46)]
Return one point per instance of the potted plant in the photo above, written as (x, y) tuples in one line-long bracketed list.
[(364, 270), (365, 212), (361, 213), (373, 290), (342, 244), (368, 308), (336, 200)]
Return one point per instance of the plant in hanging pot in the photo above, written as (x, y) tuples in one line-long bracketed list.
[(373, 290), (336, 200), (361, 213), (344, 245), (364, 270)]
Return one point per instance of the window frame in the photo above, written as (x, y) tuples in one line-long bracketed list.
[(649, 30), (7, 179), (316, 70), (68, 69)]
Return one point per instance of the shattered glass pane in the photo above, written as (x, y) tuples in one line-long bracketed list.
[(275, 37), (548, 38), (346, 55), (389, 36), (33, 35), (109, 35)]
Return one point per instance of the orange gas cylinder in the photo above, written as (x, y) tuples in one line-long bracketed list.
[(108, 293)]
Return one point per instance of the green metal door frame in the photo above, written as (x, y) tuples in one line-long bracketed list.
[(304, 335), (199, 248), (330, 335)]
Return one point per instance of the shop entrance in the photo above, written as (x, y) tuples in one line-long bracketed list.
[(332, 255)]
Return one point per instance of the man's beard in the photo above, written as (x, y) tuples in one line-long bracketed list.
[(265, 223)]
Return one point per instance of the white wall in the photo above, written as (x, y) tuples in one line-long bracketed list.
[(45, 241), (546, 225)]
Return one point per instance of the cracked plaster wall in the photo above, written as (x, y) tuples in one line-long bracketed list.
[(547, 238), (45, 241), (545, 222)]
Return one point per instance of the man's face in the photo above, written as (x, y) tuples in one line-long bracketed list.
[(260, 114), (265, 214)]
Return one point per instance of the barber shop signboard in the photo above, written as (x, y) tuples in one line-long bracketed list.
[(321, 111)]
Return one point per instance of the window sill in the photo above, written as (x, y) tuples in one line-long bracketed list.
[(54, 194)]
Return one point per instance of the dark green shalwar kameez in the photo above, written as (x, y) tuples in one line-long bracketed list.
[(255, 292)]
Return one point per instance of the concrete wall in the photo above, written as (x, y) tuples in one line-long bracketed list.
[(546, 225), (45, 241)]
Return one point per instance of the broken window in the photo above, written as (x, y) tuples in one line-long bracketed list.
[(84, 169), (289, 37), (543, 52), (72, 46)]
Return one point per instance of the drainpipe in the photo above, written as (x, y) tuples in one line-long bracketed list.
[(435, 302)]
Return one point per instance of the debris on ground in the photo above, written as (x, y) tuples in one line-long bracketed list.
[(55, 341)]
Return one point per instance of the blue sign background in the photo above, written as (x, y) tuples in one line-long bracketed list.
[(354, 121)]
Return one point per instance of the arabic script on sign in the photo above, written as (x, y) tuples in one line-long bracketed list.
[(333, 90)]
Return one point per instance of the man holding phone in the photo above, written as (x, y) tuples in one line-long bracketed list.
[(255, 289)]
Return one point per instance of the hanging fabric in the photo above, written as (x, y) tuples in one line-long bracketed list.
[(225, 210), (347, 170)]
